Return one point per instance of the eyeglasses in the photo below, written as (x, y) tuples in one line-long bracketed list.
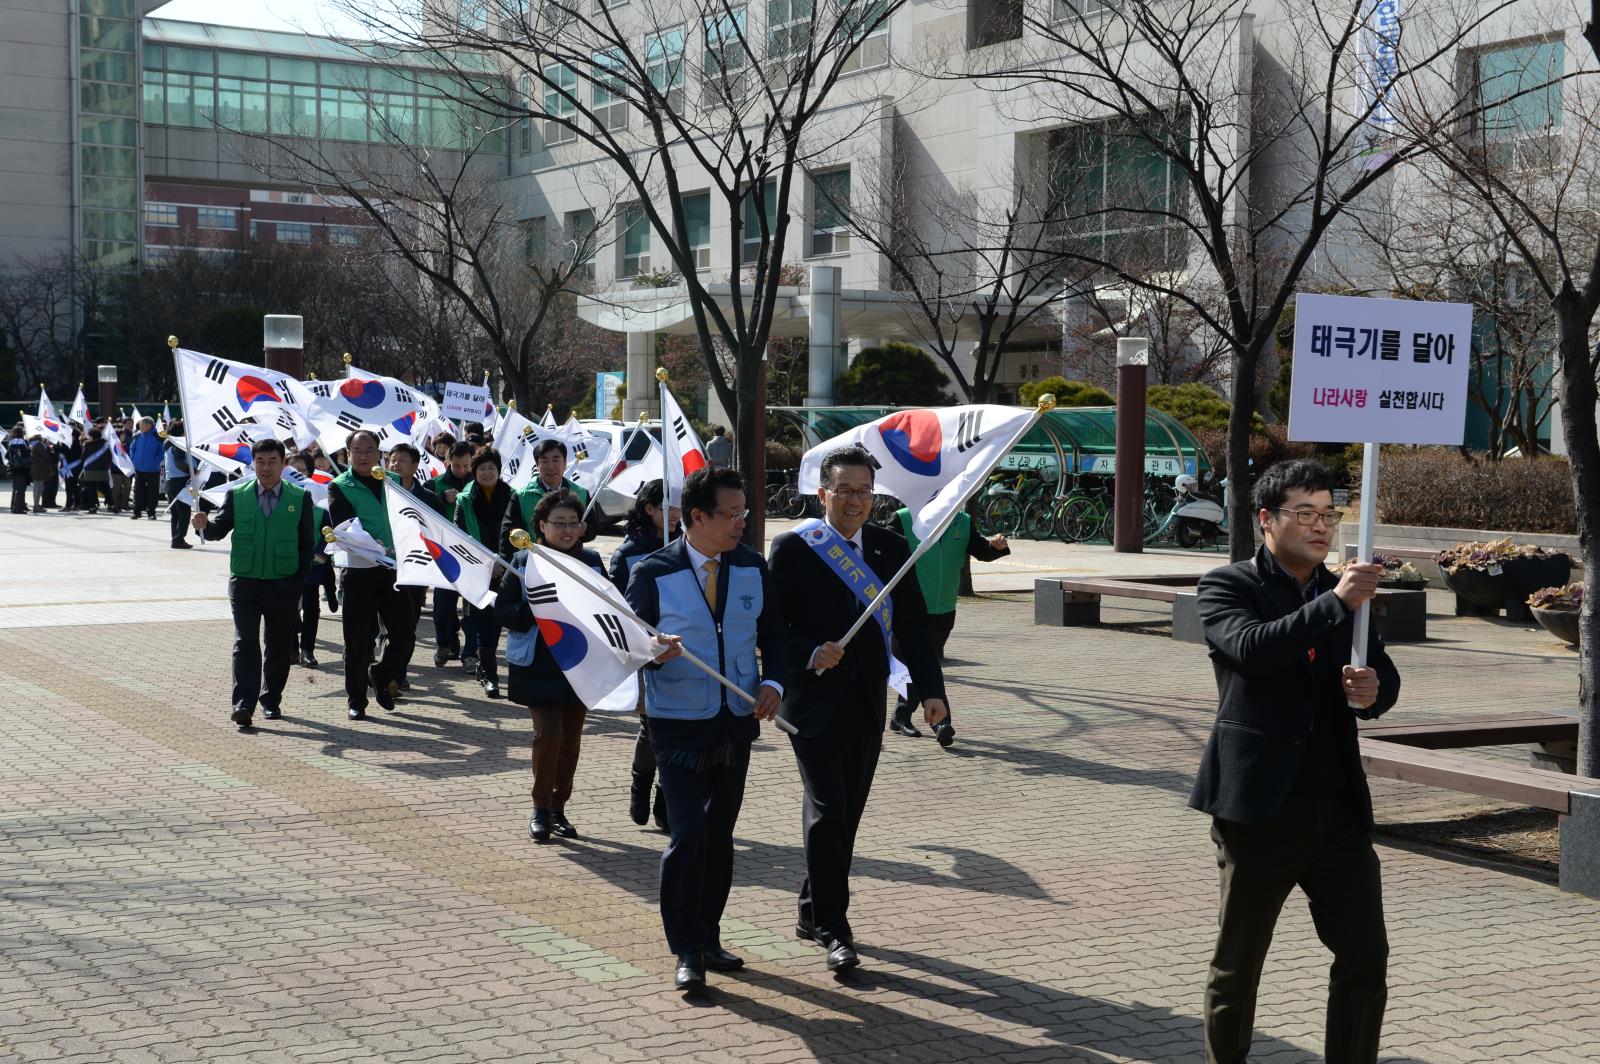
[(737, 515), (564, 526), (1331, 518), (851, 493)]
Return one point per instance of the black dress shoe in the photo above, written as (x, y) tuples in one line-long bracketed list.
[(539, 826), (441, 657), (491, 686), (805, 932), (241, 717), (271, 714), (718, 959), (405, 684), (357, 713), (904, 726), (307, 660), (639, 803), (383, 693), (945, 732), (691, 974), (842, 957), (183, 545), (562, 825)]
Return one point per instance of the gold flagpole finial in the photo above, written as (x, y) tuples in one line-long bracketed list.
[(346, 357), (1047, 401), (172, 341), (511, 404), (327, 534), (661, 374), (520, 539), (378, 472)]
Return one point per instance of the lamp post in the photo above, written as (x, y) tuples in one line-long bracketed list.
[(283, 342), (1133, 377), (107, 376)]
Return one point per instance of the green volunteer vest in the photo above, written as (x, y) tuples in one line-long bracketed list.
[(528, 498), (266, 548), (467, 514), (372, 511), (939, 570)]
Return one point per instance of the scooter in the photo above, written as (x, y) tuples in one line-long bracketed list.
[(1195, 519)]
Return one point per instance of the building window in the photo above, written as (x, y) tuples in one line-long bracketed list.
[(525, 120), (343, 235), (1110, 183), (533, 241), (864, 25), (581, 233), (160, 214), (220, 218), (634, 226), (725, 75), (294, 232), (663, 64), (608, 99), (754, 211), (599, 6), (830, 212), (560, 101), (1516, 101), (788, 27), (1066, 10), (697, 234)]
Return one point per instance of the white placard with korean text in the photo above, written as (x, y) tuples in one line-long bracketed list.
[(464, 402), (1379, 370)]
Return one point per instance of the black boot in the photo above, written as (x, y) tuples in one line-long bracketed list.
[(539, 826)]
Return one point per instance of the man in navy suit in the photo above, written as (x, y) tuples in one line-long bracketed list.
[(836, 719)]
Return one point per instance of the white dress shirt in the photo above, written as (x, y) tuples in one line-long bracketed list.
[(697, 561)]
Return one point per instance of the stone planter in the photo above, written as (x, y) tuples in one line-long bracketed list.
[(1481, 592), (1563, 624)]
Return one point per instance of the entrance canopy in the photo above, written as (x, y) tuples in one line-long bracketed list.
[(1070, 439)]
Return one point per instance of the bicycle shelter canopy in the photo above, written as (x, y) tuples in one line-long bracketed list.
[(1070, 439)]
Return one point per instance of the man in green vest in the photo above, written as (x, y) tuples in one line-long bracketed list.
[(369, 588), (550, 457), (939, 573), (274, 543)]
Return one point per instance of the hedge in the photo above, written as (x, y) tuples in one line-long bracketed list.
[(1443, 489)]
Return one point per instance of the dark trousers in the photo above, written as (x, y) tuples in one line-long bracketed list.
[(644, 756), (90, 491), (273, 604), (368, 595), (71, 485), (121, 490), (1321, 846), (178, 513), (557, 738), (311, 610), (146, 492), (19, 495), (487, 625), (446, 625), (52, 486), (697, 867), (940, 625), (836, 769)]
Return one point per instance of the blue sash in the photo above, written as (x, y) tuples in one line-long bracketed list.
[(846, 563)]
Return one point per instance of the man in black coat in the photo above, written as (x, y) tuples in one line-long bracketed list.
[(1281, 775), (836, 720)]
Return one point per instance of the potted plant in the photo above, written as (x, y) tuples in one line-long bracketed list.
[(1557, 609), (1501, 574)]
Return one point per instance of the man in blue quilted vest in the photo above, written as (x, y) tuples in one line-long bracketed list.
[(714, 595)]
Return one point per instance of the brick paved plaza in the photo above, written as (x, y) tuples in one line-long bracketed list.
[(325, 890)]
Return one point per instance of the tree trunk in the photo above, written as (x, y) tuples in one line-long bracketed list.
[(1583, 452), (751, 439), (1241, 516)]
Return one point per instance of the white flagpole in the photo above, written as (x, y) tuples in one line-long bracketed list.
[(524, 542), (1046, 402), (1368, 528), (611, 471), (195, 484)]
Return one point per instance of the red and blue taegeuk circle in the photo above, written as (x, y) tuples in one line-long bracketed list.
[(915, 440), (366, 394), (405, 424), (447, 563), (566, 642), (239, 452), (254, 390)]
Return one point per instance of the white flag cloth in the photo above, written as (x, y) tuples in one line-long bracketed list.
[(226, 394), (137, 417), (930, 460), (47, 409), (548, 422), (631, 476), (119, 454), (431, 552), (491, 416), (387, 407), (80, 410), (233, 457), (589, 630), (50, 428), (516, 439), (350, 538), (318, 490), (588, 458), (166, 416), (682, 452), (430, 466)]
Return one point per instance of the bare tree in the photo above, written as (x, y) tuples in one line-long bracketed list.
[(1245, 149), (51, 309), (614, 80)]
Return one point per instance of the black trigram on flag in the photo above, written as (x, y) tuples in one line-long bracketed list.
[(464, 552), (419, 557), (611, 625), (678, 429), (224, 419), (216, 371), (320, 389), (348, 421), (542, 594), (404, 396), (286, 421), (969, 430), (415, 515)]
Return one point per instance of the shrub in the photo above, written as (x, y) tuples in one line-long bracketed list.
[(782, 455), (1196, 405), (1067, 393), (1271, 444), (1442, 488), (893, 374)]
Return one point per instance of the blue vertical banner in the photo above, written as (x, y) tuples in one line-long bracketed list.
[(606, 387), (1377, 69)]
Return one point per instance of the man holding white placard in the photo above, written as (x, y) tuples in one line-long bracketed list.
[(1281, 775)]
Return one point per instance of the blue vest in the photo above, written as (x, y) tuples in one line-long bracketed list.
[(520, 646), (680, 691)]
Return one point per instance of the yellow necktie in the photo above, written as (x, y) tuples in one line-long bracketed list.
[(711, 583)]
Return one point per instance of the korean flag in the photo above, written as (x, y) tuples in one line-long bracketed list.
[(431, 552), (589, 630)]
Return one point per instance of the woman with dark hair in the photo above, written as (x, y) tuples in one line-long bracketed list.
[(536, 681), (480, 507), (644, 536)]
